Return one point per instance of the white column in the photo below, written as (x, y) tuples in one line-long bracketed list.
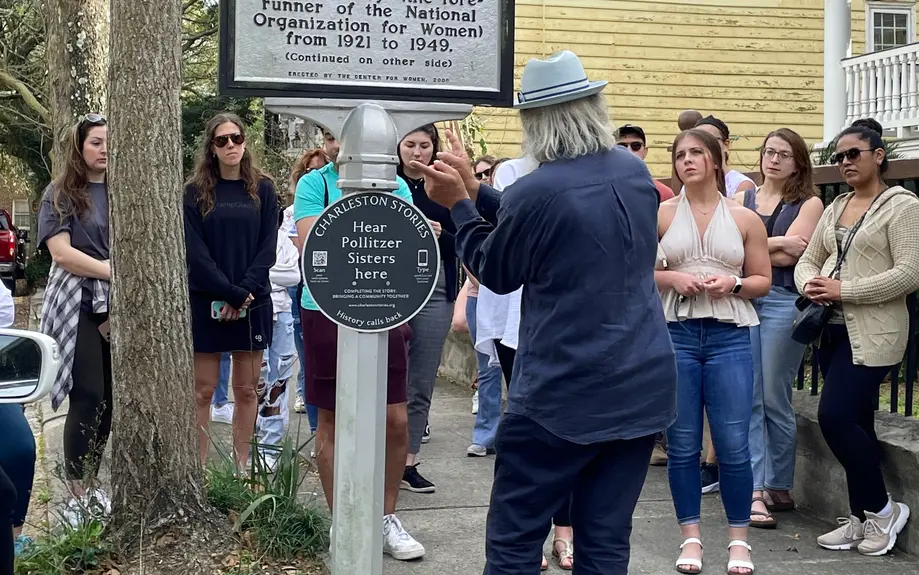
[(837, 27)]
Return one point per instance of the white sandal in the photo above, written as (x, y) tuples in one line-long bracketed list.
[(682, 562), (737, 563)]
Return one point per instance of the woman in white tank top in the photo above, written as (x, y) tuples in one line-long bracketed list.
[(713, 259)]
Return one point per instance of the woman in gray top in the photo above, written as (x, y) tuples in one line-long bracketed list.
[(787, 203)]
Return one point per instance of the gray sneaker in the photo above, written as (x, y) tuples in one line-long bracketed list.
[(848, 535), (476, 450), (881, 532)]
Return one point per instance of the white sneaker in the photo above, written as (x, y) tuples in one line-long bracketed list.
[(299, 405), (475, 402), (94, 505), (397, 542), (222, 414)]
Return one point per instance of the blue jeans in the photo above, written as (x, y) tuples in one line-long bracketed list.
[(223, 382), (714, 372), (776, 358), (277, 368), (312, 414), (489, 415), (17, 458)]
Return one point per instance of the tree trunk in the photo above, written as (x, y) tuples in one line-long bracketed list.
[(155, 468), (78, 54)]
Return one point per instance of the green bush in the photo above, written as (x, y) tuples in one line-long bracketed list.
[(65, 549), (38, 268), (264, 505)]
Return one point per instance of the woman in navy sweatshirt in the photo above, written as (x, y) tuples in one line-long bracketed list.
[(231, 223), (431, 325)]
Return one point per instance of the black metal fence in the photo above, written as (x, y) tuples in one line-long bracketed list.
[(903, 375)]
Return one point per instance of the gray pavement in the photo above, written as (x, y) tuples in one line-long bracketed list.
[(450, 523)]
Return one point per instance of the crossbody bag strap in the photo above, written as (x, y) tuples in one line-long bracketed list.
[(841, 251)]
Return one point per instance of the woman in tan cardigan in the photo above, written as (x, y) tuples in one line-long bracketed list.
[(867, 331)]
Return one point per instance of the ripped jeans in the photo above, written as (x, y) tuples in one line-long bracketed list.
[(273, 389)]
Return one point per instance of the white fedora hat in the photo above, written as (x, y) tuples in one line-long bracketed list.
[(559, 78)]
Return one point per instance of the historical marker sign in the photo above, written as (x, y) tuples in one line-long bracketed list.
[(371, 261), (414, 50)]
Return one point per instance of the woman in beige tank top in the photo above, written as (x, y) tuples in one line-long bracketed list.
[(713, 260)]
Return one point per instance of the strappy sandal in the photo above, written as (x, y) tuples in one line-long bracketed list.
[(768, 521), (775, 505), (683, 562), (736, 564), (566, 554)]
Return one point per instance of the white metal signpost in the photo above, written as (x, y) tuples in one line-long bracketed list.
[(370, 72)]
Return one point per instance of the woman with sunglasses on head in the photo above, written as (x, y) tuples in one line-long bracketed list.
[(431, 325), (231, 223), (734, 181), (713, 259), (73, 224), (862, 262), (310, 160), (788, 204)]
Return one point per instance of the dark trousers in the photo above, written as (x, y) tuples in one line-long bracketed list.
[(846, 416), (506, 356), (89, 419), (7, 502), (534, 469)]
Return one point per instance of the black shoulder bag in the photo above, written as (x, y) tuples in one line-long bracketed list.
[(813, 317)]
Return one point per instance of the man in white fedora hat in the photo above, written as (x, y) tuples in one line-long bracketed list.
[(594, 378)]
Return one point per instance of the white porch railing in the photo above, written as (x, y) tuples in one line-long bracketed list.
[(883, 85)]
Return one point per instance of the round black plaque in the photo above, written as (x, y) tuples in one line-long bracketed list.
[(371, 261)]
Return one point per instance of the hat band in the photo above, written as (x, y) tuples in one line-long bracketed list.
[(553, 91)]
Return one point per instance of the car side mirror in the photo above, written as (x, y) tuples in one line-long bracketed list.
[(29, 362)]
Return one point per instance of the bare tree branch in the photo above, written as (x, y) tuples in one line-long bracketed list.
[(27, 96), (191, 40)]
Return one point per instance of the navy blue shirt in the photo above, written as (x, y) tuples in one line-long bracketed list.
[(231, 250), (594, 360)]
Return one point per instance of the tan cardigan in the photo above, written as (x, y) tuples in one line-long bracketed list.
[(880, 270)]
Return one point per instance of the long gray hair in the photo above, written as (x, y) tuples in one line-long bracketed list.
[(568, 130)]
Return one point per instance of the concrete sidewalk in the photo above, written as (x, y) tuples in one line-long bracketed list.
[(450, 523)]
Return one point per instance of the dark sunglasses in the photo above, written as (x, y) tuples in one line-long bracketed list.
[(484, 174), (852, 154), (222, 141), (635, 146)]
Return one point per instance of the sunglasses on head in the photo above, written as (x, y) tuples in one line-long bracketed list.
[(484, 174), (852, 154), (222, 141), (93, 119), (635, 146)]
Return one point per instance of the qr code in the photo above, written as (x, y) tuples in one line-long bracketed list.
[(320, 258)]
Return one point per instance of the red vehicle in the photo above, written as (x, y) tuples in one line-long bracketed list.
[(12, 251)]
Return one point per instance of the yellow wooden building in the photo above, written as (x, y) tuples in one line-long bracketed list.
[(756, 64)]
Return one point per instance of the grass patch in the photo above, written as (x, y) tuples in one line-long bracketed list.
[(65, 549), (264, 508)]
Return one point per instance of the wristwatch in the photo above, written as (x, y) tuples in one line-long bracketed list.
[(738, 285)]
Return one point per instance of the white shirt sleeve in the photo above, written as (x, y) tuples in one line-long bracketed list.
[(7, 307)]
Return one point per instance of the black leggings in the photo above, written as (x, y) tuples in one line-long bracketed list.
[(506, 356), (846, 416), (89, 420), (7, 502)]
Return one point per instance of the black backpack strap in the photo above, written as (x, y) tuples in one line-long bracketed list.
[(325, 202)]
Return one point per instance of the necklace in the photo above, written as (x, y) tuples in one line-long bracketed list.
[(704, 213)]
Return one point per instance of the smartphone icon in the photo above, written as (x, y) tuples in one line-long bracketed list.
[(422, 258)]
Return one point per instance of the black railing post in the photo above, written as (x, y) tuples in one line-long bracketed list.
[(911, 353), (801, 375), (895, 387), (814, 368)]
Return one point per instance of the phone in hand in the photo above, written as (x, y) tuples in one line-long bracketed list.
[(216, 306), (105, 330)]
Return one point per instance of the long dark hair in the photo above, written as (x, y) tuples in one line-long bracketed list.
[(800, 186), (429, 130), (206, 172), (714, 148), (70, 196)]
